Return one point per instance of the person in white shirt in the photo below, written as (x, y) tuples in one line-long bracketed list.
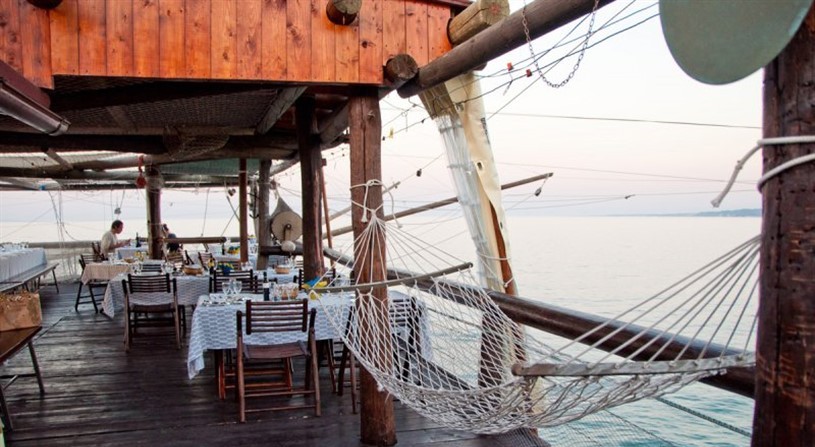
[(109, 241)]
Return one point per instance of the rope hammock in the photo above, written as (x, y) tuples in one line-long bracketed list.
[(432, 337)]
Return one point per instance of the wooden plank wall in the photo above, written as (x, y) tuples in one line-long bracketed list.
[(276, 40)]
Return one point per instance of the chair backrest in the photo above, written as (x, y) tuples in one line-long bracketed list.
[(85, 259), (151, 267), (149, 284), (247, 278), (175, 257), (403, 312), (277, 316), (188, 259), (97, 252), (204, 257)]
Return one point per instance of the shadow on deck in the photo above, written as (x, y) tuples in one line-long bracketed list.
[(96, 394)]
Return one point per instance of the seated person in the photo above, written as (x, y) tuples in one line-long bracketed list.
[(110, 242), (173, 246)]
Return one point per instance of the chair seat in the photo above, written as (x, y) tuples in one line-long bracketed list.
[(151, 307), (252, 352)]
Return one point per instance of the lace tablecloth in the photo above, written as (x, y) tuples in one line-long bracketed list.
[(17, 261), (189, 289), (214, 327)]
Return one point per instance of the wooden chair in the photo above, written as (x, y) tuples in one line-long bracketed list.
[(188, 260), (204, 257), (177, 258), (84, 260), (98, 256), (152, 267), (269, 317), (249, 284), (150, 301)]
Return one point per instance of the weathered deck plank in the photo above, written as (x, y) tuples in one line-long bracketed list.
[(96, 394)]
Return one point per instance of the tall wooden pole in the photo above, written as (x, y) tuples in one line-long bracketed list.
[(244, 217), (310, 164), (377, 423), (785, 365), (154, 234), (264, 232)]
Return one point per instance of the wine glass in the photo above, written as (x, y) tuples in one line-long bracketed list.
[(236, 287)]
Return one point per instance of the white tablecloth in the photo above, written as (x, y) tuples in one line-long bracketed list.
[(103, 271), (214, 327), (129, 252), (189, 289), (17, 261)]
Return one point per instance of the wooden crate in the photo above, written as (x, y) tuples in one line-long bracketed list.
[(19, 310)]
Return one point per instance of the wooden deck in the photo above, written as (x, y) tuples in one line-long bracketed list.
[(96, 394)]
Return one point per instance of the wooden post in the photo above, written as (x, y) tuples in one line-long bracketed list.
[(326, 211), (785, 384), (243, 215), (310, 164), (153, 187), (343, 12), (480, 15), (400, 69), (264, 236), (377, 424)]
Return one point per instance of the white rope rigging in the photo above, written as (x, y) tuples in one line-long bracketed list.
[(432, 337), (800, 139)]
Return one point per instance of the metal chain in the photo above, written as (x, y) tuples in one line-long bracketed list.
[(584, 45)]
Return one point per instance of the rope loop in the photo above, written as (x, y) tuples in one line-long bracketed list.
[(799, 139)]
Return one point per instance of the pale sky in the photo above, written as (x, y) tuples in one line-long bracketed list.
[(665, 168)]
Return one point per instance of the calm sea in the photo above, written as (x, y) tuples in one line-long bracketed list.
[(600, 265)]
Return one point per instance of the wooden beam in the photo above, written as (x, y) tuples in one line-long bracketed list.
[(153, 201), (400, 69), (332, 127), (243, 214), (261, 145), (785, 384), (61, 161), (310, 163), (542, 16), (477, 17), (264, 235), (441, 203), (22, 184), (149, 92), (377, 424), (343, 12), (121, 118), (283, 101)]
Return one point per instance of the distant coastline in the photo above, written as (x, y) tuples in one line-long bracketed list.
[(744, 212)]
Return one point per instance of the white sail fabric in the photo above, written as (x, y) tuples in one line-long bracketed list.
[(459, 113)]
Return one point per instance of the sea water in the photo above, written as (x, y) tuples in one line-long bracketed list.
[(601, 265)]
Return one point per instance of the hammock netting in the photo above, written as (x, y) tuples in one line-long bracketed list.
[(433, 338)]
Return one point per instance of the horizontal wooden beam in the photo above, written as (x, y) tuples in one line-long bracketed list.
[(477, 17), (283, 101), (539, 17), (17, 142), (149, 92)]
